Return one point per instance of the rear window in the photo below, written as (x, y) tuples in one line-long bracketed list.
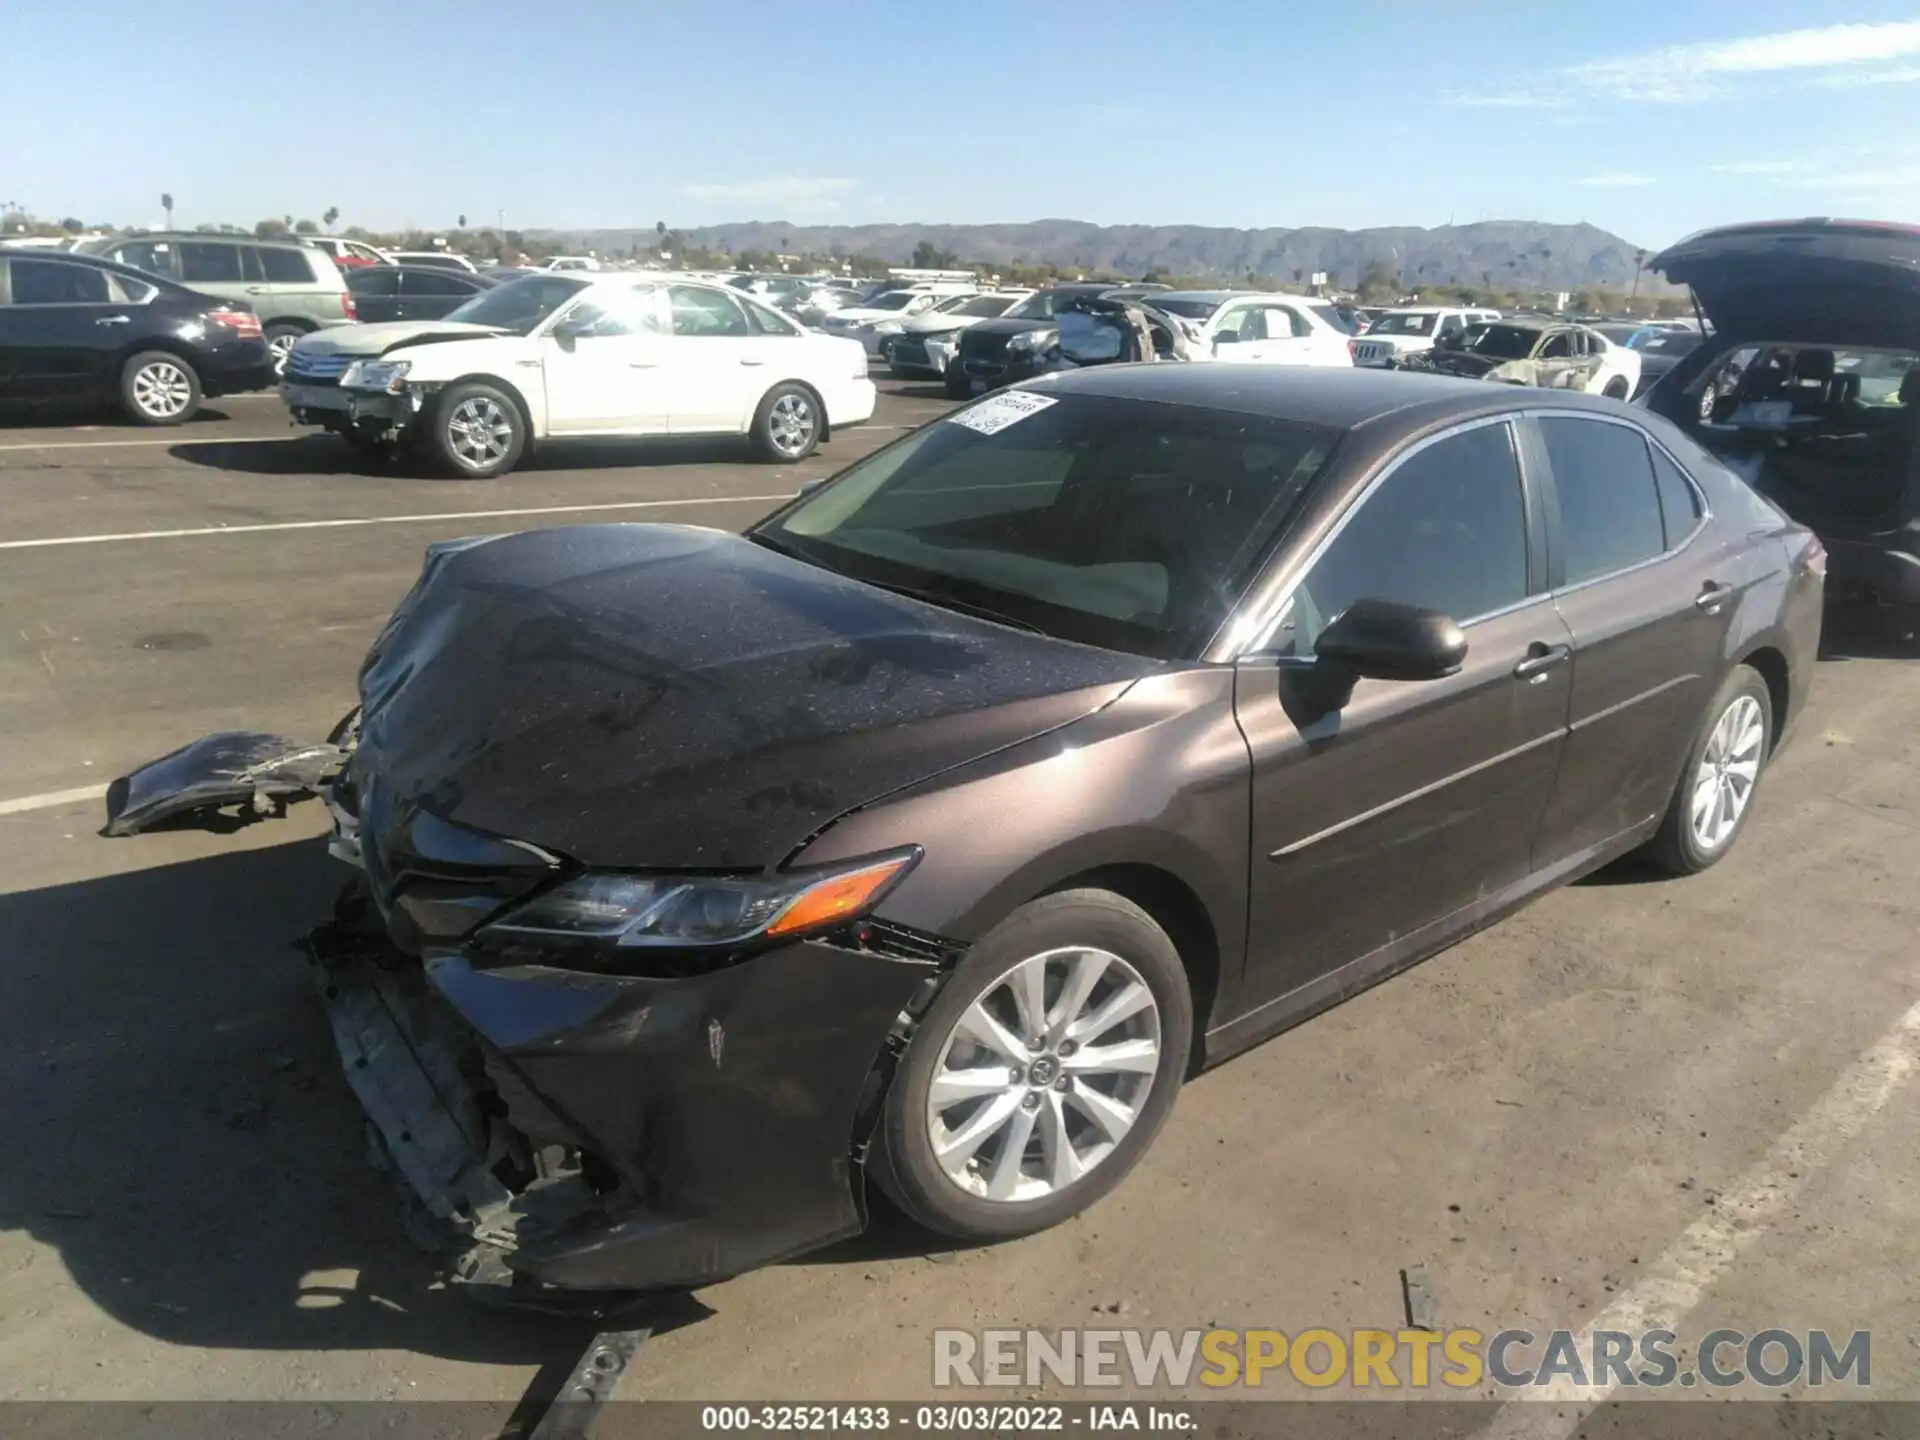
[(285, 267), (1403, 324), (1128, 524)]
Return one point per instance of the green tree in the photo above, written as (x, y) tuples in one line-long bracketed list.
[(272, 227), (70, 225), (1376, 281), (328, 219), (305, 227), (928, 256)]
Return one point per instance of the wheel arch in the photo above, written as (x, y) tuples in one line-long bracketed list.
[(499, 382), (1177, 909), (1772, 667), (288, 322)]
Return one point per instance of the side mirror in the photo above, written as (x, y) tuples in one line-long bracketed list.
[(574, 327), (1381, 640)]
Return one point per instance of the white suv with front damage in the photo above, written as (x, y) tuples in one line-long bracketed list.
[(565, 356), (1414, 330)]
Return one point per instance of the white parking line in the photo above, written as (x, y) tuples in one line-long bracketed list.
[(130, 444), (51, 799), (1677, 1282), (359, 520)]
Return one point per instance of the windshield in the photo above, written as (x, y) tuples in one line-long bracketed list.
[(988, 305), (518, 305), (1503, 342), (894, 300), (1403, 322), (1128, 524), (1188, 309)]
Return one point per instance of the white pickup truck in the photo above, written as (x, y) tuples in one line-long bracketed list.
[(1396, 334)]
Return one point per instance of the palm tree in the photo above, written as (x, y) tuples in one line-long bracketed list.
[(166, 204), (328, 219), (1639, 262), (463, 222)]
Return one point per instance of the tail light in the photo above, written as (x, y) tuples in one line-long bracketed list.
[(1815, 558), (1353, 349), (244, 323), (346, 304)]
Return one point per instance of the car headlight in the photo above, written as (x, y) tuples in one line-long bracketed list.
[(387, 375), (1030, 340), (614, 915), (945, 340), (888, 327)]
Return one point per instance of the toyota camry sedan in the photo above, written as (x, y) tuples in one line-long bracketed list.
[(925, 838)]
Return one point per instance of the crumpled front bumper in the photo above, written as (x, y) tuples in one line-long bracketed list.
[(572, 1132)]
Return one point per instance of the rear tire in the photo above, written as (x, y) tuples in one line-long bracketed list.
[(1726, 762), (1067, 1102), (787, 426), (477, 432), (157, 387), (1616, 389), (280, 342)]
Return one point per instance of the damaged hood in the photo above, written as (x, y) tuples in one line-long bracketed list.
[(1823, 281), (653, 696), (1465, 363), (378, 339)]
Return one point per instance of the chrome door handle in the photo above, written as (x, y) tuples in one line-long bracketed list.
[(752, 362), (114, 320), (256, 289), (1712, 597), (1540, 659), (642, 365)]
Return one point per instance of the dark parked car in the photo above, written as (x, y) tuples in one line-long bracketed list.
[(75, 328), (1661, 347), (1086, 736), (1809, 385), (413, 292), (1015, 347)]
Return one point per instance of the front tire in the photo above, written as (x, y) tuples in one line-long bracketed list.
[(1616, 389), (477, 432), (157, 387), (1714, 796), (786, 427), (1041, 1072), (958, 387)]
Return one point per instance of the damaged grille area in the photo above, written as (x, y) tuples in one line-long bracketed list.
[(486, 1166)]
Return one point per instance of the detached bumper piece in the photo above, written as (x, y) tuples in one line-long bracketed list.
[(245, 768), (571, 1141)]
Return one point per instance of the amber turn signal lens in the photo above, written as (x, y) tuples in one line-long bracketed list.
[(837, 899)]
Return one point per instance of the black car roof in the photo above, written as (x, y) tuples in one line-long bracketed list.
[(1338, 397)]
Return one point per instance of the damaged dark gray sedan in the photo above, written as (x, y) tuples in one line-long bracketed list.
[(932, 832)]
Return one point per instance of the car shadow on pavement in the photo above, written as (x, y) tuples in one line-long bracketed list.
[(1871, 632), (319, 454), (179, 1132), (18, 415)]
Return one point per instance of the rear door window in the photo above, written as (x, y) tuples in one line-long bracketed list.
[(434, 282), (204, 262), (1610, 512), (285, 267), (1679, 503), (153, 256), (49, 282)]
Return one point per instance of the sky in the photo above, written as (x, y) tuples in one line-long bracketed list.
[(1648, 119)]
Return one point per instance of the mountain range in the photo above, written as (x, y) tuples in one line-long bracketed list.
[(1499, 254)]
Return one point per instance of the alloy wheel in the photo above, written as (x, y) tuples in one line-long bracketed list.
[(162, 390), (1044, 1074), (279, 347), (479, 432), (1723, 783), (790, 424)]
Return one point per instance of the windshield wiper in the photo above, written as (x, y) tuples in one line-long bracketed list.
[(939, 598), (948, 602)]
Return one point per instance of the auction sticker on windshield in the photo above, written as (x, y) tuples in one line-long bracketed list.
[(997, 412)]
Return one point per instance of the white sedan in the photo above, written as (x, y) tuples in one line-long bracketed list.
[(1256, 327), (564, 356)]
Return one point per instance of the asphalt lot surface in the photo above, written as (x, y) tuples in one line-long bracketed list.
[(1686, 1103)]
